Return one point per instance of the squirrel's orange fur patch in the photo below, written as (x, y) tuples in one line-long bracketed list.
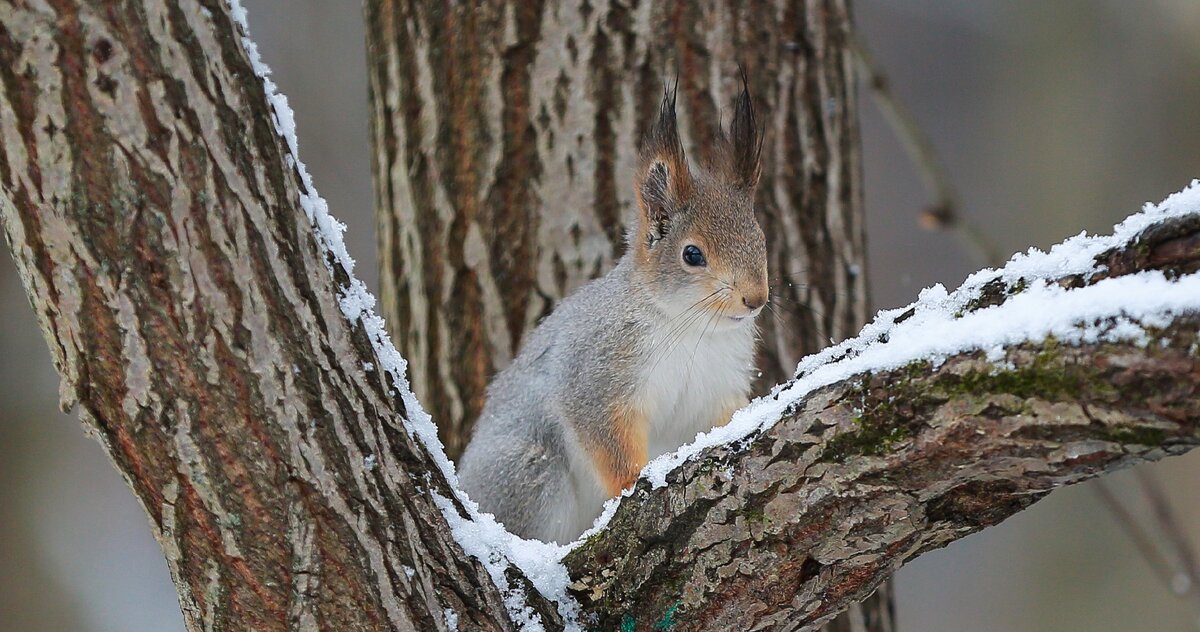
[(619, 459)]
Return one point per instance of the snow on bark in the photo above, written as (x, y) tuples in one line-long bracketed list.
[(933, 328), (479, 534), (940, 419)]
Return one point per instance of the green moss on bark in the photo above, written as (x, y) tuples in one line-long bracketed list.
[(892, 412)]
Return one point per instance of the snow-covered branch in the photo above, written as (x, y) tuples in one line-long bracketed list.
[(939, 420)]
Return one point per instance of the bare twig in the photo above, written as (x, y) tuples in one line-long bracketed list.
[(944, 213), (1141, 540), (1168, 523), (1179, 577)]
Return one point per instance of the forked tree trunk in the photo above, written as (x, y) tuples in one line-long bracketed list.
[(504, 142)]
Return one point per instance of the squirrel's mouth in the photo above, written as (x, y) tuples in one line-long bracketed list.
[(738, 319)]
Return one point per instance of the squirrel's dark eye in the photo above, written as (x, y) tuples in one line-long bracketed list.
[(693, 257)]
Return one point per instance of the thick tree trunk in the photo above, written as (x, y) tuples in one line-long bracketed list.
[(200, 308), (505, 138), (196, 326)]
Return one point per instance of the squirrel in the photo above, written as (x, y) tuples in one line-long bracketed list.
[(634, 364)]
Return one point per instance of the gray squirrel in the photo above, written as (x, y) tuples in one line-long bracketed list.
[(635, 363)]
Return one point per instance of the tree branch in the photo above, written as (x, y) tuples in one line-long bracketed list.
[(859, 476)]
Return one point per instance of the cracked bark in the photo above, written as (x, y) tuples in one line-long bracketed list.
[(188, 308), (154, 218)]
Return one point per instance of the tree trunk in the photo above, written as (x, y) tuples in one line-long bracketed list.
[(505, 138), (196, 326), (201, 310)]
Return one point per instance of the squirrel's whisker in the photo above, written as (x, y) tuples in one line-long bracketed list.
[(680, 323), (664, 343), (712, 319), (675, 336), (780, 314)]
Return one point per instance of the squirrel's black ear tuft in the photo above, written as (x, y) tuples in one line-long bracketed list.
[(663, 182), (743, 162)]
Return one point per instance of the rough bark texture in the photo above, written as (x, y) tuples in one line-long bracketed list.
[(505, 139), (868, 473), (188, 308), (154, 215)]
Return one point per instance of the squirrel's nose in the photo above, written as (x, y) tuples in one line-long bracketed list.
[(753, 303)]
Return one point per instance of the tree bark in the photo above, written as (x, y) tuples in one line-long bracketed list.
[(870, 472), (189, 309), (198, 310)]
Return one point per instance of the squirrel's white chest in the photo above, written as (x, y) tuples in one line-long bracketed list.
[(693, 384)]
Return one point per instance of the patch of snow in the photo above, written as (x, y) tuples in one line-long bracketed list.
[(1181, 583), (488, 541), (451, 618)]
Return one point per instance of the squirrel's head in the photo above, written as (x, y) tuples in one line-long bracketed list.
[(696, 241)]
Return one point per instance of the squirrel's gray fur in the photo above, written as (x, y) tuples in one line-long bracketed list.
[(633, 364)]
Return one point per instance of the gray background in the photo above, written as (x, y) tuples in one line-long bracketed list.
[(1053, 117)]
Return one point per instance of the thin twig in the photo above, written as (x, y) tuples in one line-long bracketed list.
[(944, 214), (1141, 540), (1168, 523)]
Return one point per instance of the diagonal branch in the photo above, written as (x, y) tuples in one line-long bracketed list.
[(865, 472)]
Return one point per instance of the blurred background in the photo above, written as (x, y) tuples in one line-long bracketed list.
[(1052, 117)]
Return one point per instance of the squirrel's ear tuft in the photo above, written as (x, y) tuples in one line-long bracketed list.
[(663, 182), (743, 163)]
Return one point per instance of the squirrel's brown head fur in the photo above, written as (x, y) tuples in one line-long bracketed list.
[(696, 241)]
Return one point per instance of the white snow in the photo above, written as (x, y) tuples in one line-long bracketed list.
[(486, 540), (932, 333)]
